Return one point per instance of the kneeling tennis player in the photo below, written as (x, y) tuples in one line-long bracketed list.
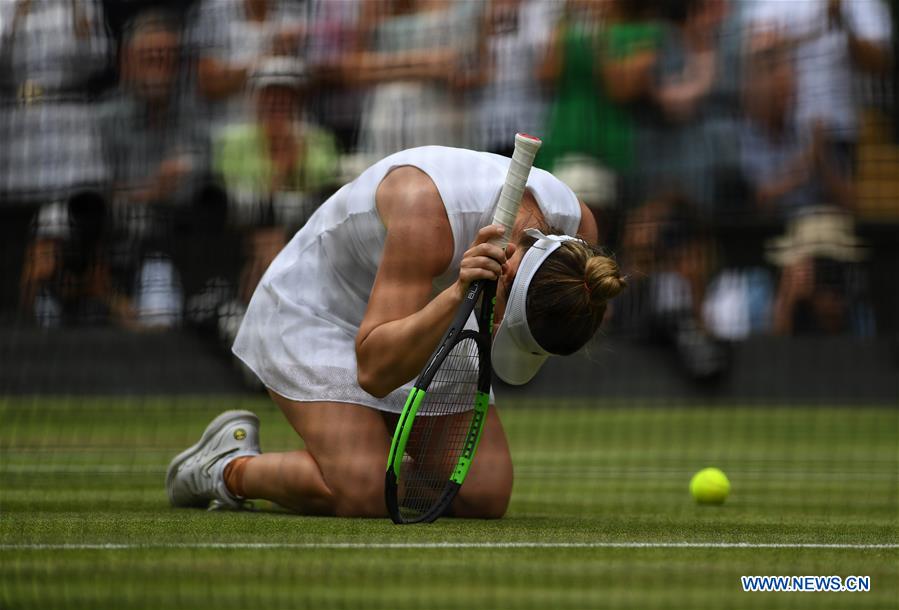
[(349, 312)]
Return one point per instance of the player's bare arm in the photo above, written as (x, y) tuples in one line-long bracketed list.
[(402, 325)]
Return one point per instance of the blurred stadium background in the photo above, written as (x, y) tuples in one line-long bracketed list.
[(741, 158)]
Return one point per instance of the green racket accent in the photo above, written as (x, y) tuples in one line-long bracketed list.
[(482, 402), (402, 432)]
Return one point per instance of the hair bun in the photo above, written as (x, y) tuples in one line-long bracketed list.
[(568, 295), (603, 278)]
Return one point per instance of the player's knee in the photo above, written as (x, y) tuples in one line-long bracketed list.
[(361, 495), (487, 504), (489, 497), (360, 505), (496, 502), (493, 506)]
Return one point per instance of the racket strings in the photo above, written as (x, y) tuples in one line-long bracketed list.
[(441, 428)]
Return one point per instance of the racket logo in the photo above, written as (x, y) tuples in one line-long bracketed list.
[(240, 434)]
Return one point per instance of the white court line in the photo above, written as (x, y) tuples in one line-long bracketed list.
[(113, 546), (524, 471)]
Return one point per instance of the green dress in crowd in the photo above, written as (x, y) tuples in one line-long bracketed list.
[(583, 119)]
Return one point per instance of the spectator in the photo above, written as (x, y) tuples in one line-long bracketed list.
[(332, 34), (597, 187), (66, 277), (50, 52), (230, 38), (822, 289), (685, 134), (276, 169), (511, 98), (120, 12), (669, 256), (830, 39), (787, 168), (684, 82), (738, 303), (412, 53), (157, 161), (600, 61)]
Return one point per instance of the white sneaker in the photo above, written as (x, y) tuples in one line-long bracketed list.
[(196, 476)]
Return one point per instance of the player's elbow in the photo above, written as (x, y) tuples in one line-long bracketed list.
[(375, 370), (368, 381), (371, 378)]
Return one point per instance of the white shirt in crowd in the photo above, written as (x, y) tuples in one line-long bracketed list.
[(825, 88)]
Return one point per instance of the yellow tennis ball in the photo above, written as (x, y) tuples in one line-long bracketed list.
[(709, 486)]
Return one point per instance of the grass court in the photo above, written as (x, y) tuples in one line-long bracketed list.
[(600, 515)]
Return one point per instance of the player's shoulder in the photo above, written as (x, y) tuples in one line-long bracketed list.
[(406, 182), (406, 195), (412, 211)]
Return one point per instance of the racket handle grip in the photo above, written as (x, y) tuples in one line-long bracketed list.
[(526, 148)]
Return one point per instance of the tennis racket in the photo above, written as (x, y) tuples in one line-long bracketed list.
[(438, 431)]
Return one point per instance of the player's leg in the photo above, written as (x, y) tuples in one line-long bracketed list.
[(341, 471), (488, 486)]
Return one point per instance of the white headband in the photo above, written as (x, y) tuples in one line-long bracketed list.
[(516, 354)]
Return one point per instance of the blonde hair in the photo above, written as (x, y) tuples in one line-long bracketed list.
[(568, 295)]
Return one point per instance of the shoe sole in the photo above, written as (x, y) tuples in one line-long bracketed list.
[(214, 427)]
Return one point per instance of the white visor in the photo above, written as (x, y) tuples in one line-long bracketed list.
[(516, 355)]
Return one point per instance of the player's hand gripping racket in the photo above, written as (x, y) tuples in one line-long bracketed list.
[(438, 431)]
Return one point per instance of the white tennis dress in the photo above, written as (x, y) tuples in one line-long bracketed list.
[(299, 332)]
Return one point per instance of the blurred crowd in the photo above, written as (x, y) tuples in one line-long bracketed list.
[(149, 137)]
